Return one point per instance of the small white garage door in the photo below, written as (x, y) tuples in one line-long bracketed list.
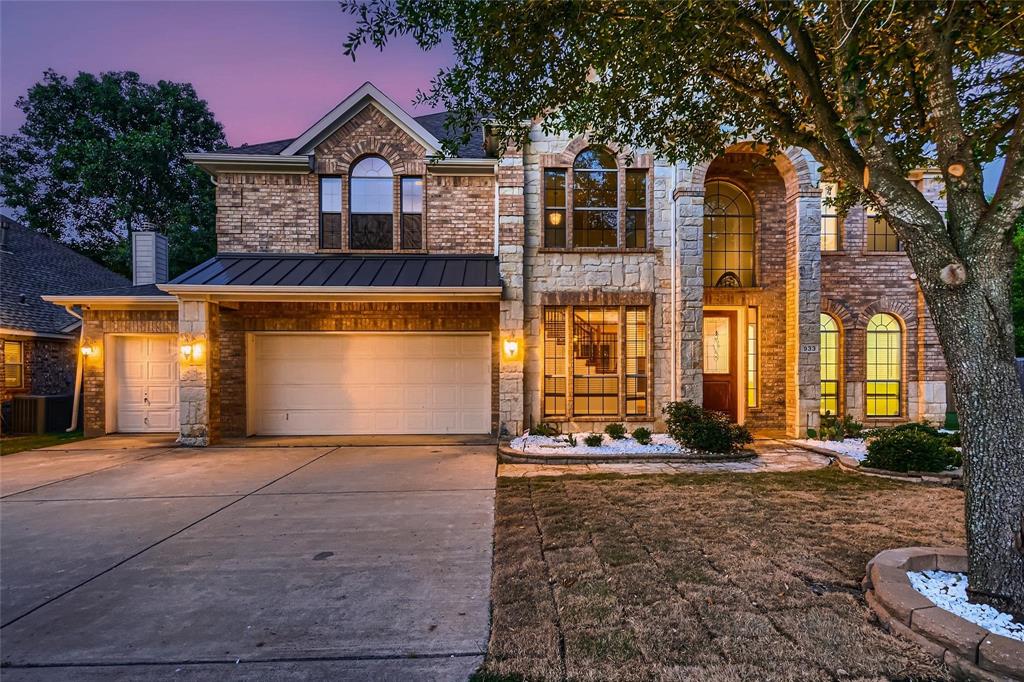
[(333, 384), (147, 383)]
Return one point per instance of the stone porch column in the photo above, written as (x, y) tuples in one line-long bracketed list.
[(803, 309), (198, 386), (511, 315), (689, 201)]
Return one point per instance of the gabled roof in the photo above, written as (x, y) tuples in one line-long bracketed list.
[(32, 265), (367, 93), (275, 147)]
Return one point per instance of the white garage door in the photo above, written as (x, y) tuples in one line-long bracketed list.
[(326, 384), (147, 383)]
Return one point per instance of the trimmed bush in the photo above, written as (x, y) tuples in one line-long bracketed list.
[(910, 449), (593, 440), (642, 436), (834, 427), (616, 431), (694, 427), (543, 429)]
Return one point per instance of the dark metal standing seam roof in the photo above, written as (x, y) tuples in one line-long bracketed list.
[(307, 270)]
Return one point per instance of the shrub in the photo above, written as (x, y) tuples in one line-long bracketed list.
[(570, 438), (953, 439), (922, 426), (694, 427), (594, 440), (543, 429), (616, 431), (910, 449), (642, 436), (834, 427)]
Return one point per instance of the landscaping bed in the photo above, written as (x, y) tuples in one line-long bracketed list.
[(559, 449), (704, 577)]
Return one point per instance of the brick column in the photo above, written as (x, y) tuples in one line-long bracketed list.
[(198, 387), (803, 309), (689, 288), (511, 238)]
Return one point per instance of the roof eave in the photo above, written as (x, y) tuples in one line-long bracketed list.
[(332, 293), (214, 163), (148, 302)]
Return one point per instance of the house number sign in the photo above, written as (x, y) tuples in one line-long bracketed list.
[(809, 348)]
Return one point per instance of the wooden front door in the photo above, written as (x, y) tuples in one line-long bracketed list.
[(720, 362)]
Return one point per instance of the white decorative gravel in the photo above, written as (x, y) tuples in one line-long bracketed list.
[(949, 591), (851, 447), (661, 444)]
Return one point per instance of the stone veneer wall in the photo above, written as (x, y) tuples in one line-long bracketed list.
[(98, 323), (595, 276), (327, 317), (279, 213)]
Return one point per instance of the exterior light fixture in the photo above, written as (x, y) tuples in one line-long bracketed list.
[(555, 218), (511, 348), (192, 351), (88, 350)]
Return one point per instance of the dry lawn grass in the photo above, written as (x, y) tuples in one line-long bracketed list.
[(716, 578)]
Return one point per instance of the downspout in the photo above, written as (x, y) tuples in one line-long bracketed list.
[(674, 345), (79, 370)]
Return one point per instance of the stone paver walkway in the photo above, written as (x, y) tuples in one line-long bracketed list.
[(772, 456)]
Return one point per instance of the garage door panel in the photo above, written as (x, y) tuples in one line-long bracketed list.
[(146, 383), (163, 396), (371, 383)]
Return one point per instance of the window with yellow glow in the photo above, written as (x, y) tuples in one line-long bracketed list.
[(880, 234), (884, 366), (554, 208), (752, 392), (14, 365), (606, 371), (728, 236), (829, 346)]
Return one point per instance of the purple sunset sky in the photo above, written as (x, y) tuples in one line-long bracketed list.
[(268, 70)]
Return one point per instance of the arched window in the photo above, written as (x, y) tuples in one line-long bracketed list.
[(829, 346), (884, 365), (371, 204), (595, 199), (728, 236)]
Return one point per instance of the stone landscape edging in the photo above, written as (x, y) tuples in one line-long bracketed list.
[(509, 455), (952, 479), (966, 648)]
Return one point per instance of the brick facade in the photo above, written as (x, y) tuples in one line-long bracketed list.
[(48, 366)]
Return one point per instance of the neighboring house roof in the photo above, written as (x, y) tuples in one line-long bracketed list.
[(32, 265), (275, 147), (338, 271)]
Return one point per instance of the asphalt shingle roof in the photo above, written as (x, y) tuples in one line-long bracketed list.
[(32, 265), (433, 123), (347, 270)]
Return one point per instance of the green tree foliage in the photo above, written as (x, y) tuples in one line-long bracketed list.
[(871, 89), (99, 155)]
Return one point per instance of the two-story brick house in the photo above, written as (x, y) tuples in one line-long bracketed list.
[(365, 285)]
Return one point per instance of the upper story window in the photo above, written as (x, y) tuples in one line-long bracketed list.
[(330, 213), (830, 238), (636, 208), (728, 236), (595, 199), (371, 205), (554, 208), (880, 233), (412, 212)]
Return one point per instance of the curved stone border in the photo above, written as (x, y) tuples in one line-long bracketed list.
[(952, 479), (966, 648), (506, 455)]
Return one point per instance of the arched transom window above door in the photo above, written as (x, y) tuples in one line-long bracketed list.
[(729, 236)]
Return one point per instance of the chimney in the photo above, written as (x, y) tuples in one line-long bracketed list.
[(149, 256)]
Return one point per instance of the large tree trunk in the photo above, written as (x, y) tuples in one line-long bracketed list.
[(972, 321)]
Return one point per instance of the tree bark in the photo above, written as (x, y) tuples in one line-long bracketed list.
[(972, 320)]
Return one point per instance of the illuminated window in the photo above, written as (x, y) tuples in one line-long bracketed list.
[(829, 218), (330, 213), (554, 361), (728, 236), (14, 365), (884, 366), (595, 199), (371, 205), (636, 208), (829, 347), (554, 208), (752, 359), (880, 234), (608, 362)]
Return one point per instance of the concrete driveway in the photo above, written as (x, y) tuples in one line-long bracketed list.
[(127, 559)]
